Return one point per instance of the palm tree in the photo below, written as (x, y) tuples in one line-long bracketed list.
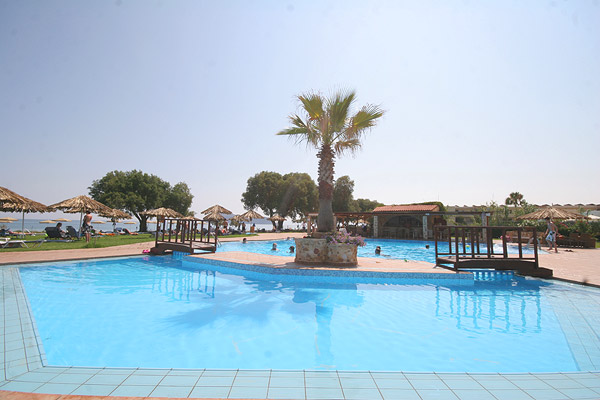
[(515, 198), (329, 127)]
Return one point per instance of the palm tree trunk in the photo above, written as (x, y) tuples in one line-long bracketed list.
[(326, 164)]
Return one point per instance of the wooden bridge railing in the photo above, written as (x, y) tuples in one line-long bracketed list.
[(476, 242), (186, 232)]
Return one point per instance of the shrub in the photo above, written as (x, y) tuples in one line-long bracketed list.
[(345, 238)]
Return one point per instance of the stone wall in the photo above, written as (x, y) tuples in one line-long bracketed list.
[(318, 251)]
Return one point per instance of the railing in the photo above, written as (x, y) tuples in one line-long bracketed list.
[(185, 232), (476, 242)]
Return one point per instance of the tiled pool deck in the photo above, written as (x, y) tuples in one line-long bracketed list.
[(24, 368)]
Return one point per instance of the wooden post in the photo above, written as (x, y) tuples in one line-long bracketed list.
[(504, 247), (435, 237), (535, 248), (456, 243)]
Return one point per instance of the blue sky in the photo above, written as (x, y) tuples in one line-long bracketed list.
[(482, 98)]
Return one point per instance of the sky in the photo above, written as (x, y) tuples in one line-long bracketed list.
[(482, 98)]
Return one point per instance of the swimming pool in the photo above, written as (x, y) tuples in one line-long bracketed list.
[(390, 248), (160, 312)]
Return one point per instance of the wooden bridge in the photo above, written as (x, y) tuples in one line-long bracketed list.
[(472, 247), (184, 235)]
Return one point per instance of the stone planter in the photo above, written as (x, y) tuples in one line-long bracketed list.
[(311, 251), (318, 251), (341, 254)]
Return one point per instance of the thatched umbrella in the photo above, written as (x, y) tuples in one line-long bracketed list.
[(215, 216), (276, 217), (239, 218), (10, 201), (162, 213), (553, 213), (114, 216), (252, 215), (80, 204), (8, 219), (216, 209), (10, 197)]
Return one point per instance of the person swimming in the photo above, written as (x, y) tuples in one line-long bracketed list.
[(378, 250), (244, 240), (274, 248), (292, 249)]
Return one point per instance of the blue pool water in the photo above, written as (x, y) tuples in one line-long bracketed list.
[(167, 313), (390, 248)]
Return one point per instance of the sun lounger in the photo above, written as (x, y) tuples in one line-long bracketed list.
[(128, 232), (54, 233), (72, 232), (8, 243)]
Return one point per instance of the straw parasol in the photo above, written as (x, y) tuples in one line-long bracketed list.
[(251, 214), (10, 197), (216, 209), (276, 217), (214, 216), (80, 204), (10, 201), (47, 221), (8, 219), (553, 213), (114, 216), (62, 220), (130, 222), (239, 218), (162, 213)]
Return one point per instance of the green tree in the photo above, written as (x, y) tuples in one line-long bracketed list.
[(300, 196), (329, 126), (265, 191), (515, 199), (366, 205), (135, 191), (180, 199), (343, 189)]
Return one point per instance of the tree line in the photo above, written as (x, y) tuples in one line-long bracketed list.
[(295, 195)]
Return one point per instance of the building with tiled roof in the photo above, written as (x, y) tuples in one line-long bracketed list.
[(407, 208)]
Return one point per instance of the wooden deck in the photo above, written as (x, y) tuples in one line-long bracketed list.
[(472, 247)]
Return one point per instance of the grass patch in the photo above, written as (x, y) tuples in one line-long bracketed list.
[(104, 241)]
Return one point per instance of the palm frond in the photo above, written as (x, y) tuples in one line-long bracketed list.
[(301, 131), (361, 121), (313, 105), (338, 108), (343, 146), (298, 127)]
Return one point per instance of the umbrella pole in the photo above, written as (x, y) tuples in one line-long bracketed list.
[(80, 224), (23, 224)]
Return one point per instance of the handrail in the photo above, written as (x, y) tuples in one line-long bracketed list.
[(185, 232), (470, 238)]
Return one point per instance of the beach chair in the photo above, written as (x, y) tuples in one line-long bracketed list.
[(128, 232), (7, 243), (71, 232), (54, 233)]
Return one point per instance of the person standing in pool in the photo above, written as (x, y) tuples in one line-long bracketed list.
[(86, 228), (550, 234)]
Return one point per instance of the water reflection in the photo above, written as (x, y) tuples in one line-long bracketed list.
[(326, 301)]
